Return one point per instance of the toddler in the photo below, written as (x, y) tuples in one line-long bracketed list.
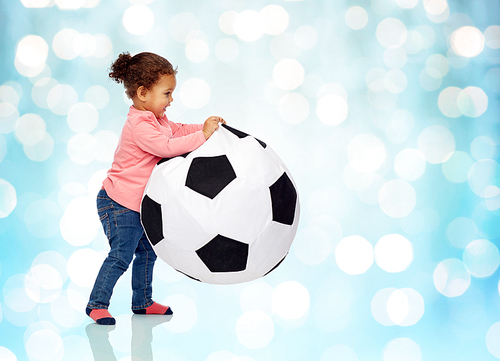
[(146, 137)]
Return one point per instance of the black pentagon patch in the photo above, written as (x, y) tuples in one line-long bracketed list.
[(284, 199), (277, 264), (151, 220), (163, 160), (209, 175), (224, 254), (236, 132), (241, 134)]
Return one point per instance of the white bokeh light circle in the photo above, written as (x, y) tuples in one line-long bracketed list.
[(395, 81), (249, 25), (82, 148), (332, 109), (483, 147), (436, 143), (32, 51), (284, 46), (194, 93), (312, 245), (103, 46), (61, 98), (197, 50), (69, 4), (397, 198), (106, 142), (379, 306), (461, 231), (44, 344), (354, 255), (435, 7), (452, 277), (227, 49), (448, 102), (138, 19), (8, 198), (290, 300), (83, 118), (493, 340), (356, 17), (402, 349), (409, 164), (17, 296), (183, 26), (83, 266), (294, 108), (98, 96), (481, 257), (366, 153), (68, 44), (181, 304), (407, 4), (80, 224), (492, 36), (395, 58), (257, 296), (40, 151), (30, 129), (472, 102), (467, 41), (438, 62), (481, 175), (35, 3), (6, 354), (391, 33), (456, 169), (356, 180), (414, 42), (393, 253), (41, 90), (255, 329), (226, 21), (42, 218), (275, 19), (305, 37), (288, 74)]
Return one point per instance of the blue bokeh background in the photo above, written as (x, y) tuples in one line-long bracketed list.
[(385, 111)]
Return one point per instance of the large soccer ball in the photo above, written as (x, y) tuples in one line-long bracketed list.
[(225, 213)]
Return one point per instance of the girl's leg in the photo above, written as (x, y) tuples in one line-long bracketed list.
[(123, 230), (142, 274), (142, 278)]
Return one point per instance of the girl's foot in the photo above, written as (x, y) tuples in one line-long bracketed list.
[(101, 316), (154, 309)]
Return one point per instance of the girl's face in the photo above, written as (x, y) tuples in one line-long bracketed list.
[(159, 97)]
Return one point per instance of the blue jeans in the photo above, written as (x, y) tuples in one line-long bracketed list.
[(126, 237)]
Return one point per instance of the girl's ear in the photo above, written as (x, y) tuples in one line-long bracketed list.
[(141, 93)]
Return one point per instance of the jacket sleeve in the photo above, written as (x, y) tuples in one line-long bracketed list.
[(179, 129), (150, 139)]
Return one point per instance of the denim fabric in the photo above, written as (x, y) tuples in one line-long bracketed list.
[(126, 238)]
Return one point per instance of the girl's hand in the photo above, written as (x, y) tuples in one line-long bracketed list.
[(211, 125)]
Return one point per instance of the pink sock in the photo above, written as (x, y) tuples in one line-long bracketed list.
[(155, 309), (101, 316)]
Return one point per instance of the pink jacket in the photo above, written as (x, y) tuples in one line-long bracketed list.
[(145, 140)]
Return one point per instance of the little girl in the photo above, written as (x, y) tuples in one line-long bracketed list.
[(146, 137)]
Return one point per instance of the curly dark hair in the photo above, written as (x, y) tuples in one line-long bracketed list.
[(143, 69)]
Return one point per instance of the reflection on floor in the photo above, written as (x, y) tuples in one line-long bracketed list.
[(140, 345)]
